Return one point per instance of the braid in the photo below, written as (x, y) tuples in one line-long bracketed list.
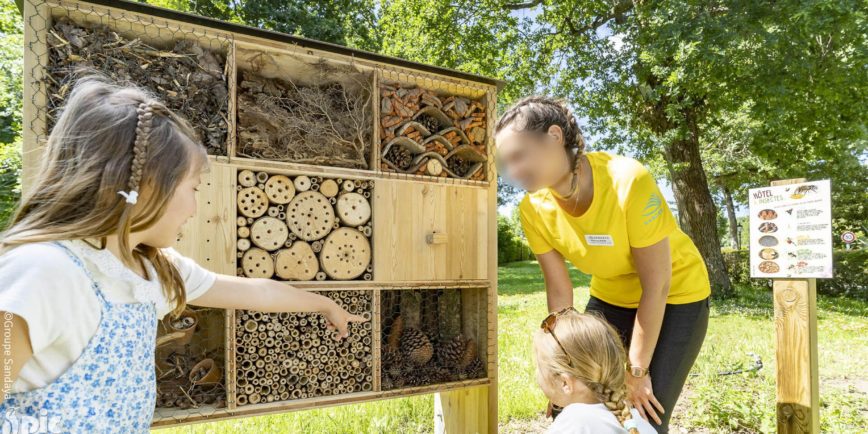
[(615, 400), (140, 145), (573, 138)]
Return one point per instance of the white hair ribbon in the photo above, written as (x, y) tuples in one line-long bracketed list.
[(132, 196)]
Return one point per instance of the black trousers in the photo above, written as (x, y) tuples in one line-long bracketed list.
[(681, 336)]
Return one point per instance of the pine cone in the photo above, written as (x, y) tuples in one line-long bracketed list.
[(399, 156), (468, 355), (449, 354), (416, 346), (431, 124), (474, 369), (394, 337), (460, 166)]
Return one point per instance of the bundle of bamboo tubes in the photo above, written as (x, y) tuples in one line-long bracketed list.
[(286, 356)]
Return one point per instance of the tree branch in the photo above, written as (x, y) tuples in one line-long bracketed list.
[(617, 13), (525, 5)]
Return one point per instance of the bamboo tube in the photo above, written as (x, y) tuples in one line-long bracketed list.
[(255, 398)]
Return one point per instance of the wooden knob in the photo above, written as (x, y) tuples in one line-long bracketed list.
[(436, 238)]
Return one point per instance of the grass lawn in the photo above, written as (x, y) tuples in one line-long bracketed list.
[(743, 403)]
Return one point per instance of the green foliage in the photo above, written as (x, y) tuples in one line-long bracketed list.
[(11, 65), (10, 176), (850, 271), (346, 22), (510, 245)]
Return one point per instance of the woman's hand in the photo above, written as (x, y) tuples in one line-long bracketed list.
[(642, 396), (338, 319)]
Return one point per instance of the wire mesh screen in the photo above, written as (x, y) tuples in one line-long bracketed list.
[(186, 68), (286, 356), (303, 227), (189, 362), (301, 108), (431, 336)]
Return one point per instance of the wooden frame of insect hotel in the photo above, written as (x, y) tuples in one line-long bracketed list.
[(363, 177)]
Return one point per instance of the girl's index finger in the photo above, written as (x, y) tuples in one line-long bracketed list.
[(357, 318)]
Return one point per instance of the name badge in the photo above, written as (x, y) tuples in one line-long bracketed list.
[(599, 240)]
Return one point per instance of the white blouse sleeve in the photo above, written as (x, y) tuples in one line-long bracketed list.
[(197, 279), (41, 284)]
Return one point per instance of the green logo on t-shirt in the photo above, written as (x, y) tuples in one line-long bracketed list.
[(653, 208)]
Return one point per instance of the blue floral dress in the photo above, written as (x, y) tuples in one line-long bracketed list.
[(110, 388)]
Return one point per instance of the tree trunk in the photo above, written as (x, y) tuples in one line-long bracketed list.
[(733, 221), (696, 210)]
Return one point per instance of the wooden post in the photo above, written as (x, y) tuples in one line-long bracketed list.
[(798, 397), (463, 411)]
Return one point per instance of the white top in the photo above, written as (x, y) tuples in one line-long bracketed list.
[(594, 419), (40, 283)]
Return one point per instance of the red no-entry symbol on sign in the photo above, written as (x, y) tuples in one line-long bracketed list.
[(848, 237)]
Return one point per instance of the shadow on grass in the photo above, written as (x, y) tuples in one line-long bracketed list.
[(525, 277)]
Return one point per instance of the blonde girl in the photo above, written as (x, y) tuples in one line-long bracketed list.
[(581, 367), (87, 268)]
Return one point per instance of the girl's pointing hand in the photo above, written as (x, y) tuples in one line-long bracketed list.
[(338, 319)]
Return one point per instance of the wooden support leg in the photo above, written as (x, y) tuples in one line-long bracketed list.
[(466, 411), (797, 383)]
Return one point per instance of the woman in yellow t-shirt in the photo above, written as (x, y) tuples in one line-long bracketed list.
[(605, 214)]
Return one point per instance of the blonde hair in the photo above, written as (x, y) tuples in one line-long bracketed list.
[(596, 358), (109, 138)]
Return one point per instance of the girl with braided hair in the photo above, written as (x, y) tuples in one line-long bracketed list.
[(87, 266), (580, 367), (605, 214)]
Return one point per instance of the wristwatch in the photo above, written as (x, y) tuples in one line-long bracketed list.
[(637, 371)]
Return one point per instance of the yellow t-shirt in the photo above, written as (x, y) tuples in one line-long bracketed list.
[(627, 210)]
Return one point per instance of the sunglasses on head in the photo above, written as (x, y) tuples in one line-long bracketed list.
[(548, 326)]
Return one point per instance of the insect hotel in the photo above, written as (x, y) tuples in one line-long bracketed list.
[(365, 178)]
